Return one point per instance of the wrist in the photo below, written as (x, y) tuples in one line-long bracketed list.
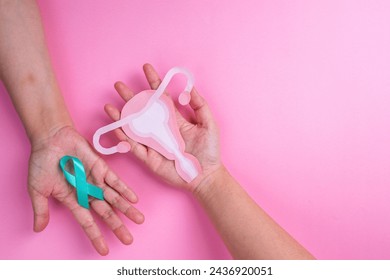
[(39, 103), (210, 184), (52, 120), (40, 136), (49, 116)]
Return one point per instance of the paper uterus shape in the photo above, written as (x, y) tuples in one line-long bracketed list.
[(150, 119)]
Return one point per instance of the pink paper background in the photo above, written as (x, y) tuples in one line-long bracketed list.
[(300, 89)]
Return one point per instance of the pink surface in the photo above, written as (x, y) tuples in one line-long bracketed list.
[(300, 89)]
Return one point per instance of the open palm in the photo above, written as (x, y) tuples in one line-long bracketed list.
[(46, 179), (201, 138)]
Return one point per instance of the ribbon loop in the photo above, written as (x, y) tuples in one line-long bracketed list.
[(79, 181)]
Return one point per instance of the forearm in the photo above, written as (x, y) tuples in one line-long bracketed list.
[(26, 70), (247, 231)]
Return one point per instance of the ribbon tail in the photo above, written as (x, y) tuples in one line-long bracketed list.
[(96, 192), (82, 198)]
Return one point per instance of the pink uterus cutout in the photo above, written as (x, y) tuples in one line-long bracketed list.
[(150, 119)]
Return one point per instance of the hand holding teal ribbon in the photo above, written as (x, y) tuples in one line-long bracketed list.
[(79, 181)]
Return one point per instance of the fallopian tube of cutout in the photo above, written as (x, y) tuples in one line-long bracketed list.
[(150, 119)]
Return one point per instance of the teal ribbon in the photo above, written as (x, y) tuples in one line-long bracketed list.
[(79, 181)]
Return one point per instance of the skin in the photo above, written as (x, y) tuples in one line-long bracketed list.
[(25, 69), (26, 72), (247, 231)]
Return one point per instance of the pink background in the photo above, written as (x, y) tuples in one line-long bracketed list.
[(300, 89)]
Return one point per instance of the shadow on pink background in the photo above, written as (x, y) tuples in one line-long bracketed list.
[(301, 92)]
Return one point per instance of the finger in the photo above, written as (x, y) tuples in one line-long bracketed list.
[(117, 201), (115, 183), (201, 109), (124, 91), (40, 206), (151, 76), (137, 149), (112, 220), (112, 112), (117, 194), (85, 219)]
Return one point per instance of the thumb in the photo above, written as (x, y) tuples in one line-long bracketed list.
[(40, 206), (201, 109)]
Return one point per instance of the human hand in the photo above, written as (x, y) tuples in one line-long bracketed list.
[(201, 138), (46, 179)]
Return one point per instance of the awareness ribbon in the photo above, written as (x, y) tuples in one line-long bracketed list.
[(79, 181)]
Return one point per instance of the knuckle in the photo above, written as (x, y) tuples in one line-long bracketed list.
[(108, 214), (88, 223)]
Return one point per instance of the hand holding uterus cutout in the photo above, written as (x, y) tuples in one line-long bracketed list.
[(200, 138)]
